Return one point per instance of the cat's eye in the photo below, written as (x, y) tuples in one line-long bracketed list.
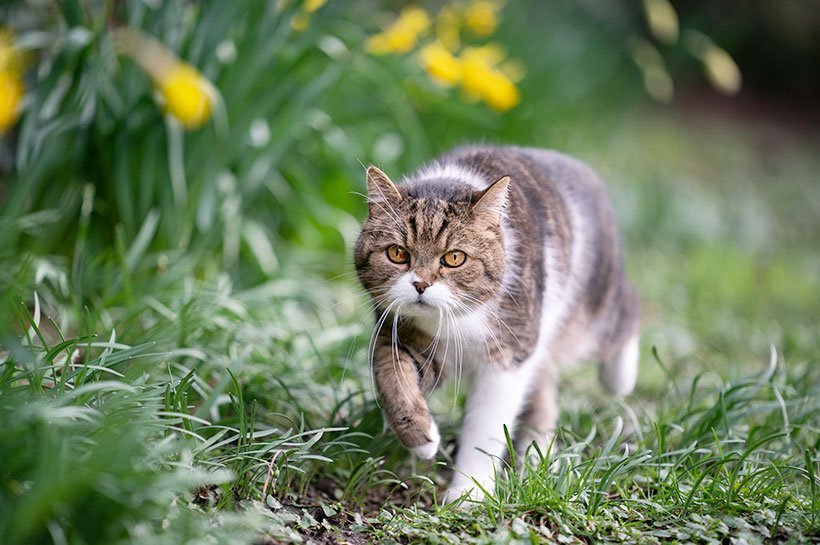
[(398, 254), (453, 258)]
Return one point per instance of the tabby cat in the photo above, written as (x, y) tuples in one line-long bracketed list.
[(501, 264)]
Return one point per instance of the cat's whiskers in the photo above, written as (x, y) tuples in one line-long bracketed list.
[(459, 356), (486, 331), (436, 341), (390, 211), (372, 305), (394, 342), (371, 350), (494, 313), (510, 294), (431, 348)]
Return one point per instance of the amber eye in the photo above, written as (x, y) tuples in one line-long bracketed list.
[(453, 258), (398, 254)]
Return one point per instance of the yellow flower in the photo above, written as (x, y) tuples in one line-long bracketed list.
[(448, 28), (300, 21), (11, 82), (440, 64), (481, 17), (481, 79), (402, 35), (312, 6), (11, 94), (186, 93)]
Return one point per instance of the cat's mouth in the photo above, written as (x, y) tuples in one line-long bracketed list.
[(420, 307)]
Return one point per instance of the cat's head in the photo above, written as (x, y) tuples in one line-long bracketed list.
[(431, 246)]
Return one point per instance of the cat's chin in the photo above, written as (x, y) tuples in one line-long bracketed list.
[(419, 309)]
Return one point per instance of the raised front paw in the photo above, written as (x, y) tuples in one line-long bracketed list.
[(428, 449)]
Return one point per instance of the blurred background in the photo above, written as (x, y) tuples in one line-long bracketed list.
[(146, 142), (187, 177)]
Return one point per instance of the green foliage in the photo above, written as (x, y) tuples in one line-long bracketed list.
[(182, 347)]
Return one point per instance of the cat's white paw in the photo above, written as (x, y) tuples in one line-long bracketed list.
[(428, 451)]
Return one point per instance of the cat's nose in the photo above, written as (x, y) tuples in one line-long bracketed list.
[(420, 286)]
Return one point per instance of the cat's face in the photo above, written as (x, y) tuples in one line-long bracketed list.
[(431, 248)]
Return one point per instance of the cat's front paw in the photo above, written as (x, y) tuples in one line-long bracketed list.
[(428, 450)]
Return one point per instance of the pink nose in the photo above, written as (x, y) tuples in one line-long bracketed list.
[(420, 286)]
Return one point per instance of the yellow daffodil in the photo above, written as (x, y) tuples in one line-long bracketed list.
[(11, 95), (481, 17), (402, 35), (481, 79), (301, 20), (448, 28), (312, 6), (187, 95), (11, 83), (440, 64)]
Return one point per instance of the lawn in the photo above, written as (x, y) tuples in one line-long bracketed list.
[(183, 342)]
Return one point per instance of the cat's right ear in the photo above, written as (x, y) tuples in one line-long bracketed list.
[(382, 193), (493, 200)]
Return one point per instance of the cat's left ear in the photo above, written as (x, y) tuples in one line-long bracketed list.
[(380, 189), (493, 200)]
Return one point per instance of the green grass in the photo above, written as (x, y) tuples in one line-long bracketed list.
[(245, 412), (195, 371)]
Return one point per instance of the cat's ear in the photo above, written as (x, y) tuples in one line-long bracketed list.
[(381, 190), (492, 200)]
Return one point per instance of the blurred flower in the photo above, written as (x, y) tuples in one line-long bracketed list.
[(448, 27), (481, 17), (311, 6), (402, 35), (656, 78), (302, 19), (720, 68), (11, 94), (187, 94), (482, 79), (11, 83), (440, 64), (481, 71), (662, 20)]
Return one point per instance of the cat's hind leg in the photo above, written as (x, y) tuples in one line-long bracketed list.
[(539, 419), (619, 343), (619, 372)]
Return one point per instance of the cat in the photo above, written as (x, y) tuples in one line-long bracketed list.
[(502, 264)]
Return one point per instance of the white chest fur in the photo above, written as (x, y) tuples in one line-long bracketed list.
[(464, 341)]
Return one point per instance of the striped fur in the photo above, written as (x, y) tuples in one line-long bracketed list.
[(542, 286)]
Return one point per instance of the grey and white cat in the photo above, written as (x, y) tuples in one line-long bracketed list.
[(501, 263)]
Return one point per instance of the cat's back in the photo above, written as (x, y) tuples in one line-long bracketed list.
[(548, 173)]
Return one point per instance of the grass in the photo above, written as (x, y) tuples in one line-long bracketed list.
[(195, 371), (246, 412)]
